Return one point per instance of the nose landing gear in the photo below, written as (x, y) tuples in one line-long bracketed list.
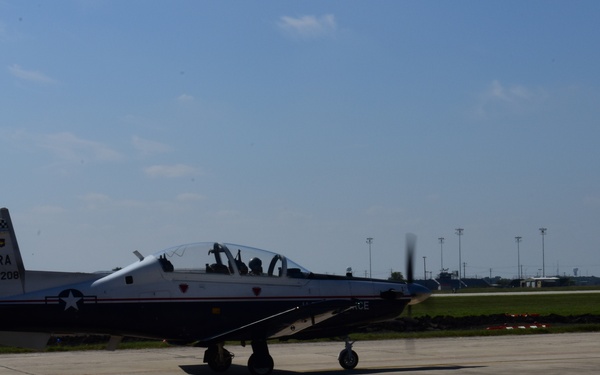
[(348, 358)]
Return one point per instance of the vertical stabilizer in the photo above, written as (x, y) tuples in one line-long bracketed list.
[(12, 270)]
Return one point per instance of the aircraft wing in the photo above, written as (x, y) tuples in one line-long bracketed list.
[(285, 323)]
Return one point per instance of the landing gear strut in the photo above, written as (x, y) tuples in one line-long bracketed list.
[(218, 358), (348, 358), (260, 362)]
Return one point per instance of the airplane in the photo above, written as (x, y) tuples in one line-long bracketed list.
[(199, 294)]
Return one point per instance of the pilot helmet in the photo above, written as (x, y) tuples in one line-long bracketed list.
[(255, 265)]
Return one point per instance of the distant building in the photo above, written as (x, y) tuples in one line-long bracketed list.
[(450, 281), (586, 280), (541, 282)]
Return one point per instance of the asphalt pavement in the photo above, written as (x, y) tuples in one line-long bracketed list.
[(541, 354)]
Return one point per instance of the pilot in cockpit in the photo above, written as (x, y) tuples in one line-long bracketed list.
[(166, 264), (255, 265)]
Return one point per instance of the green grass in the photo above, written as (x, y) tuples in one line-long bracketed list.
[(133, 344), (475, 332), (519, 290), (543, 304), (458, 333), (142, 344)]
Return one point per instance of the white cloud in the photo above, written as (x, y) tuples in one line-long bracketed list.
[(101, 201), (308, 26), (30, 75), (498, 97), (171, 171), (511, 94), (185, 98), (148, 147), (69, 147), (65, 147)]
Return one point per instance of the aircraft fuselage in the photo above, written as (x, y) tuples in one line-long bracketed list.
[(145, 301)]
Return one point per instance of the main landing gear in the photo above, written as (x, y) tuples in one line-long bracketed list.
[(348, 358), (218, 358), (260, 362)]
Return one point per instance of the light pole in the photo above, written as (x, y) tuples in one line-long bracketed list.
[(370, 241), (459, 231), (442, 253), (543, 231), (518, 239), (424, 268)]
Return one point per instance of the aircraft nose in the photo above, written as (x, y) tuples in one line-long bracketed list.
[(418, 293)]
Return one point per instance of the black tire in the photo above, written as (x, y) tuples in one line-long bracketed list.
[(348, 361), (260, 365), (218, 365)]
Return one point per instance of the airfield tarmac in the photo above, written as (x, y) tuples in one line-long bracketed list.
[(547, 354)]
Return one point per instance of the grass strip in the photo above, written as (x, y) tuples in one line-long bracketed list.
[(543, 304)]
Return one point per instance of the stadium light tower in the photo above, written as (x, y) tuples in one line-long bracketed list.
[(370, 241), (543, 232), (459, 232), (518, 239), (441, 253)]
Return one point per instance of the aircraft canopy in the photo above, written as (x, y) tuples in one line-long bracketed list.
[(230, 259)]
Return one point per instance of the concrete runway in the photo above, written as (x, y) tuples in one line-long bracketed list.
[(547, 354)]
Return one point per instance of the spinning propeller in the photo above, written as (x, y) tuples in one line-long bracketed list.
[(418, 292), (411, 242)]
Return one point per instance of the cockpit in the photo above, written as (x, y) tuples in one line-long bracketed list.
[(228, 259)]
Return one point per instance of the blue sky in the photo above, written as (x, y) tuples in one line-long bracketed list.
[(303, 128)]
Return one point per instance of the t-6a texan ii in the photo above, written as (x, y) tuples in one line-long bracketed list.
[(199, 294)]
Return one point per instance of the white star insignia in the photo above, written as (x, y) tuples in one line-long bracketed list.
[(71, 301)]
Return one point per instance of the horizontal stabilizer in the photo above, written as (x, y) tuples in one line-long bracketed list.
[(114, 342), (28, 340)]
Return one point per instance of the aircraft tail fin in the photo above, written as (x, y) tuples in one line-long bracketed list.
[(12, 270)]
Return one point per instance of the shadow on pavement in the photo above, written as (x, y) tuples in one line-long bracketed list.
[(243, 370)]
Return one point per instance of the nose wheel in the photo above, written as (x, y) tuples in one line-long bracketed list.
[(348, 358)]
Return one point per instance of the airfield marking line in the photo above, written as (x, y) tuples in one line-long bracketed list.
[(16, 371)]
